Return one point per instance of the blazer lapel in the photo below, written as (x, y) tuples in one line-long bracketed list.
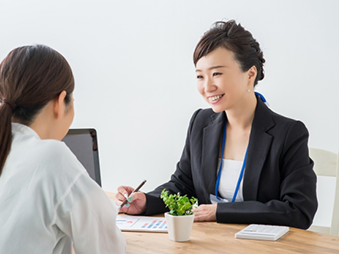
[(258, 147), (210, 151)]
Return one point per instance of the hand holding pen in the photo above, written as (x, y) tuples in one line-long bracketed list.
[(135, 199)]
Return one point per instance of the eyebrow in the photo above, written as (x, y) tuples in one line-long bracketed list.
[(213, 67)]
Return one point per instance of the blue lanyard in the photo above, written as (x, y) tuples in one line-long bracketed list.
[(220, 168), (261, 96), (243, 165)]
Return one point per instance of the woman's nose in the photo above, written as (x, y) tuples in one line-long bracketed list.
[(209, 85)]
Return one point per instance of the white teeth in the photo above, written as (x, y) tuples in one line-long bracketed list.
[(214, 98)]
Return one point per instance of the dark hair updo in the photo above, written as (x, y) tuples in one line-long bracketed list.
[(233, 37)]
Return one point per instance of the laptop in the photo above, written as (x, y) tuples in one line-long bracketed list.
[(84, 144)]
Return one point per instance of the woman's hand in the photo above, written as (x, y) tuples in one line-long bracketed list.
[(137, 204), (205, 213)]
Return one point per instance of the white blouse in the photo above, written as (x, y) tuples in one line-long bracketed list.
[(48, 200), (229, 179)]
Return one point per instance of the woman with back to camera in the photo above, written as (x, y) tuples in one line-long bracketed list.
[(47, 199), (244, 163)]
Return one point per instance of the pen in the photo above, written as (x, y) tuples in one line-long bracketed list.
[(136, 190)]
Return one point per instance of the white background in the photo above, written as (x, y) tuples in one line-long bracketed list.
[(135, 79)]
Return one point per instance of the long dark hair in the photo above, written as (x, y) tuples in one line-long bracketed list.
[(235, 38), (30, 77)]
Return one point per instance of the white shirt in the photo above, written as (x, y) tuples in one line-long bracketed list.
[(229, 178), (47, 199)]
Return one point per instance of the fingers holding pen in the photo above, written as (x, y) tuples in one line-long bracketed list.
[(136, 205), (136, 201), (123, 193)]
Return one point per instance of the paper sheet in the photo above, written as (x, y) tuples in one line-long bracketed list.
[(141, 223)]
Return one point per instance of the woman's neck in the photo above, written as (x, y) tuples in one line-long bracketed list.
[(242, 115)]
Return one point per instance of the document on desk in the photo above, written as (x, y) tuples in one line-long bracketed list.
[(141, 223)]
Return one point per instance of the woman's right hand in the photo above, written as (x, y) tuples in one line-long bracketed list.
[(136, 206)]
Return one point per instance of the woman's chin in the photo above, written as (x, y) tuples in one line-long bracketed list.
[(217, 109)]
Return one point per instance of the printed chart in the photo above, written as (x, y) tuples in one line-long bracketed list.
[(141, 223)]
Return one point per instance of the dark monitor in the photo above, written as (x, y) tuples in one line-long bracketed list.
[(83, 143)]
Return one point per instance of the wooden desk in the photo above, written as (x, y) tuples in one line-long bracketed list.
[(212, 237)]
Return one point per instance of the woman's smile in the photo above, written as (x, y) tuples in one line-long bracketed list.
[(216, 98)]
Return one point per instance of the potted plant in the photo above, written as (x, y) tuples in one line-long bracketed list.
[(180, 217)]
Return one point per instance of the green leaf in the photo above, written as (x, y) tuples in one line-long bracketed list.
[(177, 204)]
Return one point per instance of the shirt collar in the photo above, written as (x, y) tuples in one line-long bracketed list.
[(23, 129)]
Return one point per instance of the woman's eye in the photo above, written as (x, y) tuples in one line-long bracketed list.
[(216, 73), (199, 77)]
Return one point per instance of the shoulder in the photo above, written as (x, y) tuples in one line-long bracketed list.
[(274, 123), (59, 169), (288, 125), (55, 150), (285, 131), (56, 159)]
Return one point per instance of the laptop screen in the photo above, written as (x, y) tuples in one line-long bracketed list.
[(83, 143)]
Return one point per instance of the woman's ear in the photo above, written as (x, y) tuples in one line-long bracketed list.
[(59, 105), (252, 74)]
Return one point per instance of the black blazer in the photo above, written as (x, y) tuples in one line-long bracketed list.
[(279, 185)]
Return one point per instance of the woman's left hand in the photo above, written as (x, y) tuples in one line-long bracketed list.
[(205, 213)]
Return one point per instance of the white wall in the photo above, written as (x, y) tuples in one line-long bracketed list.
[(135, 80)]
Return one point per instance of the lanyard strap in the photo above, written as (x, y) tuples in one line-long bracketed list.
[(240, 176), (220, 168), (244, 163), (222, 154)]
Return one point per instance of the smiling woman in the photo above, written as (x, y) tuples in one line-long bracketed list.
[(241, 160)]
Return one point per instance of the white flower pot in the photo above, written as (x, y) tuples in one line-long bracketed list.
[(179, 227)]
